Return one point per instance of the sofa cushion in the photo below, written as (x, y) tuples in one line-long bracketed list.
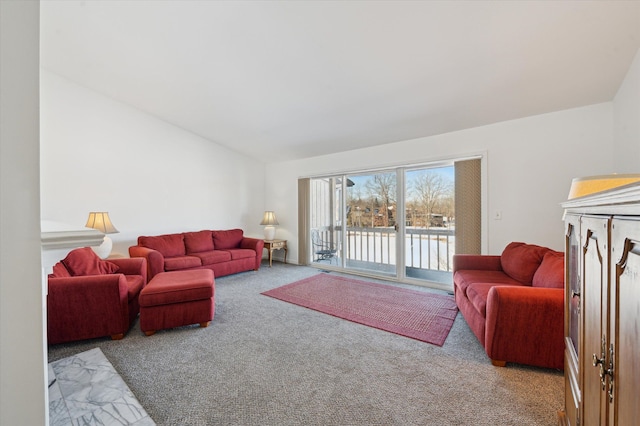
[(168, 245), (197, 242), (242, 253), (478, 293), (227, 239), (134, 285), (520, 261), (463, 279), (181, 262), (550, 274), (84, 261), (177, 287), (214, 256)]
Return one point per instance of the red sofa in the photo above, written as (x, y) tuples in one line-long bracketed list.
[(89, 297), (514, 303), (224, 252)]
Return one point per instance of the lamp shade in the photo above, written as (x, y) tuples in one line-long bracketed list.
[(269, 218), (101, 222), (592, 184)]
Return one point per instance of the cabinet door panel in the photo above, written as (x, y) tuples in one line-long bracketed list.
[(573, 306), (595, 270), (625, 311)]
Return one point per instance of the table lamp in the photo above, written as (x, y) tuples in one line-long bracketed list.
[(102, 222), (269, 219)]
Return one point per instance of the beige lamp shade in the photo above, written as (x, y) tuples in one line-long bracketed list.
[(593, 184), (101, 222), (269, 219)]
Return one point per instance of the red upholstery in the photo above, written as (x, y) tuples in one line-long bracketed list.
[(215, 256), (227, 239), (197, 242), (525, 325), (177, 287), (155, 259), (84, 261), (241, 253), (465, 278), (550, 274), (520, 261), (181, 262), (230, 252), (173, 299), (168, 245), (513, 320), (159, 317), (90, 306), (478, 293)]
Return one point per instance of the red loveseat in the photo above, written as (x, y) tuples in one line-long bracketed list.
[(89, 297), (514, 303), (224, 252)]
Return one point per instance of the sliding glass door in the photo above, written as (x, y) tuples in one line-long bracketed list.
[(394, 223), (429, 223), (371, 223)]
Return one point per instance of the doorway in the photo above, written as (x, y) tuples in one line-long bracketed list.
[(397, 223)]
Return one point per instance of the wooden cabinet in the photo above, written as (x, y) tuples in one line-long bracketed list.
[(602, 309)]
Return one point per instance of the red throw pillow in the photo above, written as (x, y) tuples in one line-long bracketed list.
[(550, 274), (84, 261), (59, 271), (197, 242), (227, 239), (169, 245), (520, 261)]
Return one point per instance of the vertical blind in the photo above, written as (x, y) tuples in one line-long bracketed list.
[(304, 187), (468, 201)]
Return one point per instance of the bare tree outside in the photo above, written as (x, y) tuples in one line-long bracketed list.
[(382, 188), (432, 193)]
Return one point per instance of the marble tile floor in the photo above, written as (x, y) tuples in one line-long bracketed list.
[(85, 389)]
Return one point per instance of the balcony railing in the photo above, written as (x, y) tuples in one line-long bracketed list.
[(428, 251)]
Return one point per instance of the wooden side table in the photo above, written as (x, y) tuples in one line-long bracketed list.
[(272, 245)]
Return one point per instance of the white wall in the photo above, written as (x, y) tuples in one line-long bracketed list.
[(22, 351), (626, 109), (530, 164), (98, 154)]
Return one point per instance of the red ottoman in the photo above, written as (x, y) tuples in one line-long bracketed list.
[(174, 299)]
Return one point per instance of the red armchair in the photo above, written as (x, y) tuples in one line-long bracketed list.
[(89, 298), (514, 303)]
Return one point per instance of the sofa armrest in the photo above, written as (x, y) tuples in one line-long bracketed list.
[(253, 244), (87, 306), (482, 262), (132, 266), (526, 325), (155, 259)]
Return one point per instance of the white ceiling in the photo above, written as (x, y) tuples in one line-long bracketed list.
[(287, 80)]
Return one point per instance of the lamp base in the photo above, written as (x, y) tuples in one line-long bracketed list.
[(269, 232), (104, 250)]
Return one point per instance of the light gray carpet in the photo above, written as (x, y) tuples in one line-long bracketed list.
[(267, 362)]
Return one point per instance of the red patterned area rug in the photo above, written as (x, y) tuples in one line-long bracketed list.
[(417, 314)]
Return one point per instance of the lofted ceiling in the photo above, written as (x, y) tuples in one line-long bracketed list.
[(280, 80)]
